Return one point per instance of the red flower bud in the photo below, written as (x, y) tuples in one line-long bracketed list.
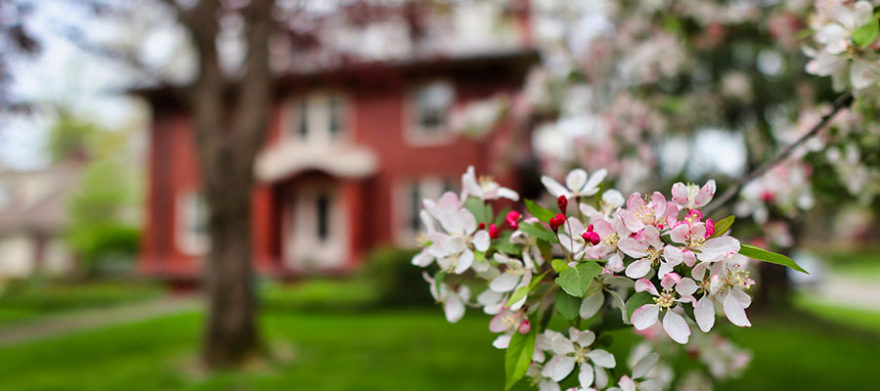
[(493, 231), (481, 226), (557, 221), (562, 202), (591, 237), (590, 228), (512, 219)]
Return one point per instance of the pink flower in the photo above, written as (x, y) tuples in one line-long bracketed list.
[(639, 214), (691, 196)]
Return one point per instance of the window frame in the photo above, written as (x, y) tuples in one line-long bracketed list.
[(416, 132)]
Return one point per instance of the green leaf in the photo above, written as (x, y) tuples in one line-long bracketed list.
[(635, 301), (499, 220), (867, 34), (479, 256), (559, 265), (567, 305), (760, 254), (518, 295), (576, 280), (537, 280), (539, 211), (518, 357), (481, 210), (723, 225), (537, 231)]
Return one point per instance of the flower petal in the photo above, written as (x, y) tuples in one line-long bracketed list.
[(591, 304), (558, 367), (602, 358), (734, 312), (704, 312), (645, 316), (638, 269), (676, 327)]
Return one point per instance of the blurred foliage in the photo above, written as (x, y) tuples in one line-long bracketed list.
[(397, 281), (102, 230), (28, 299), (71, 138)]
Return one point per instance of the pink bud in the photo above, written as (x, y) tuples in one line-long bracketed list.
[(562, 202), (590, 228), (525, 327), (512, 219), (493, 231), (710, 228), (481, 226)]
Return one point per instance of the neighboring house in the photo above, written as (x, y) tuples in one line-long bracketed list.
[(350, 155), (33, 214)]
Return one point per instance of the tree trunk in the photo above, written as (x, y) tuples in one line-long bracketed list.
[(231, 334)]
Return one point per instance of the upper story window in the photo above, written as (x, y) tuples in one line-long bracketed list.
[(316, 118), (430, 107), (192, 224)]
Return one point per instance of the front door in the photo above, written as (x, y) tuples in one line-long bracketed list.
[(316, 235)]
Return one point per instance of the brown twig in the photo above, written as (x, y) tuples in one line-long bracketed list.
[(842, 102)]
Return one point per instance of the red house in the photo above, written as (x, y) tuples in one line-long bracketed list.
[(350, 154)]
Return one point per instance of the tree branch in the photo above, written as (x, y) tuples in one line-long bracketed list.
[(841, 103)]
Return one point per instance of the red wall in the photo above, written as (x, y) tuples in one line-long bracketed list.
[(378, 121)]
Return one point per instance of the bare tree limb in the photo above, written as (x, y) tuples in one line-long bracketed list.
[(841, 103)]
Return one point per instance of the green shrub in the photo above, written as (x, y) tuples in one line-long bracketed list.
[(396, 280)]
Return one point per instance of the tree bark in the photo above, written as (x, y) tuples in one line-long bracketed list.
[(228, 136), (231, 332)]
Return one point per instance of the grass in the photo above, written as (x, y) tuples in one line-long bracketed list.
[(401, 350), (859, 262), (28, 300)]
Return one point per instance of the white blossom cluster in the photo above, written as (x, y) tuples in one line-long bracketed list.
[(646, 262)]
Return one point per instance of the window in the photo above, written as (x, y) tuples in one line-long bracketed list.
[(5, 194), (316, 118), (431, 104), (322, 208), (410, 205), (192, 231)]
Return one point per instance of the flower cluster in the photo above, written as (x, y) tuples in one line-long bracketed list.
[(645, 261), (846, 37)]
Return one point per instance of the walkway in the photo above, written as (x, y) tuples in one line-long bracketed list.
[(63, 324)]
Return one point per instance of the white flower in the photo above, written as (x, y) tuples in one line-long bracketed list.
[(727, 284), (454, 249), (571, 237), (516, 274), (673, 323), (484, 188), (575, 351), (611, 201), (647, 247), (577, 183), (453, 300)]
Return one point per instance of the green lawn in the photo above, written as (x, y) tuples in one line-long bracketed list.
[(403, 350)]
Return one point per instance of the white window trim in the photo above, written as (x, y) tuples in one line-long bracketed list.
[(317, 119), (415, 133), (189, 242)]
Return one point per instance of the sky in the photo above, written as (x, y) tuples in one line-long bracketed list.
[(61, 74)]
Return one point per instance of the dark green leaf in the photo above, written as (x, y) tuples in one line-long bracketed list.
[(723, 226), (567, 305), (559, 265), (518, 357), (760, 254), (576, 280), (539, 211), (537, 231), (867, 34), (537, 280), (518, 295), (637, 300)]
